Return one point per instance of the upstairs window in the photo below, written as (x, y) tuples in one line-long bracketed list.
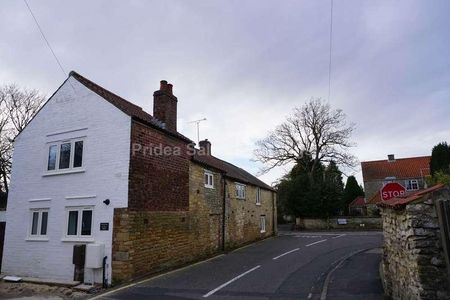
[(412, 185), (39, 220), (258, 196), (65, 155), (209, 180), (240, 191)]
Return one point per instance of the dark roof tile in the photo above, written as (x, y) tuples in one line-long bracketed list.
[(230, 170), (126, 106)]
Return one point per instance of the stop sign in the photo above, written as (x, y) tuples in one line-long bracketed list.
[(392, 190)]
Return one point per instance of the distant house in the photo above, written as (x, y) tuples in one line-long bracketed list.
[(94, 170), (409, 172), (358, 206)]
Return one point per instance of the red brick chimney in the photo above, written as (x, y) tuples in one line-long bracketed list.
[(165, 106), (205, 146)]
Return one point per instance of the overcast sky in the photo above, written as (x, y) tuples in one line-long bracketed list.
[(245, 64)]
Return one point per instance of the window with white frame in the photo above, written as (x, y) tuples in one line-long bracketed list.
[(258, 196), (79, 222), (262, 224), (39, 221), (412, 185), (240, 191), (65, 155), (209, 180)]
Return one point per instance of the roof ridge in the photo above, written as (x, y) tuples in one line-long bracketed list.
[(76, 74), (396, 159), (230, 170), (127, 107)]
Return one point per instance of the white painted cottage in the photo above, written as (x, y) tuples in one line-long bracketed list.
[(70, 158)]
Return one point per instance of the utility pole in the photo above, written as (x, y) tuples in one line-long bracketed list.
[(198, 128)]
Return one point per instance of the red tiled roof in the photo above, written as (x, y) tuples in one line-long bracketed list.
[(399, 202), (413, 167), (358, 202), (376, 198), (230, 170), (126, 106)]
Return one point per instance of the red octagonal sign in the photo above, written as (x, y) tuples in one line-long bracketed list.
[(392, 190)]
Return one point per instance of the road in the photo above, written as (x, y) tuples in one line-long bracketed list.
[(289, 266)]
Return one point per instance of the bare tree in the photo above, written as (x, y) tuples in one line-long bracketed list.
[(17, 108), (314, 130)]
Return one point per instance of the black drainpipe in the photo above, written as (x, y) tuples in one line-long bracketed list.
[(223, 211)]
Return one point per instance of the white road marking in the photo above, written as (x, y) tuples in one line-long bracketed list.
[(286, 253), (316, 243), (336, 237), (228, 282)]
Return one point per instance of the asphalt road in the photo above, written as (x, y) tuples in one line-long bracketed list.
[(290, 266)]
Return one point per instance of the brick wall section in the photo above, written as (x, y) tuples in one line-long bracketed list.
[(413, 262), (157, 182)]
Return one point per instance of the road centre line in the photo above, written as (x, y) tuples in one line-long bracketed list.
[(286, 253), (316, 243), (341, 235), (228, 282)]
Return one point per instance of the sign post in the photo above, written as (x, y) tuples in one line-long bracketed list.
[(392, 190)]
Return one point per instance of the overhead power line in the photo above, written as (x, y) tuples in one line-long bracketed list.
[(45, 39), (331, 48)]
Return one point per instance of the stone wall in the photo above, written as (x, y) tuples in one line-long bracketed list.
[(353, 223), (413, 266), (150, 241), (243, 215)]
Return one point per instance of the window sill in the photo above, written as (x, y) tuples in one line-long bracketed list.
[(209, 187), (258, 204), (37, 239), (78, 239), (70, 171), (263, 231)]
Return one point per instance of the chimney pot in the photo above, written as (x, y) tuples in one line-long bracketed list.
[(205, 146), (391, 157), (169, 88), (163, 85)]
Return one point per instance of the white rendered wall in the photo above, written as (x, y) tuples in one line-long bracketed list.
[(73, 111)]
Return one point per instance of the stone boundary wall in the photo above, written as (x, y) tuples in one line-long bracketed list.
[(413, 262), (353, 223)]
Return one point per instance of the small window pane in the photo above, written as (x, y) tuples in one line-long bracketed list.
[(206, 179), (86, 222), (51, 157), (64, 156), (34, 226), (73, 223), (44, 223), (78, 155)]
